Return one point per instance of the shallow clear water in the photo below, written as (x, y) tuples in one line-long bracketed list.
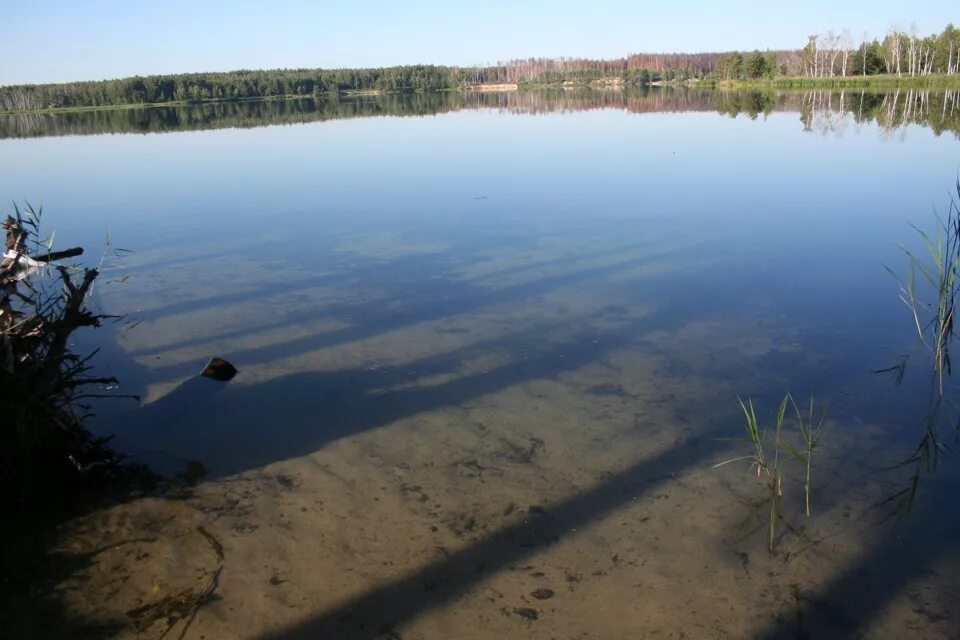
[(499, 348)]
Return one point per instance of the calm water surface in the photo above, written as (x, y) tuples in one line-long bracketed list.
[(494, 344)]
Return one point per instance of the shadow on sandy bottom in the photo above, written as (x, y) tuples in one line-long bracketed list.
[(238, 428), (376, 613), (33, 566), (425, 295), (916, 546), (843, 608)]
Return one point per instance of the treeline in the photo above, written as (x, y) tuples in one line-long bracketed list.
[(244, 84), (899, 53), (553, 70), (234, 85), (832, 55), (827, 55)]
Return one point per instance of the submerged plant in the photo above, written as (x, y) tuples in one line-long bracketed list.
[(811, 428), (776, 479), (766, 461), (768, 470)]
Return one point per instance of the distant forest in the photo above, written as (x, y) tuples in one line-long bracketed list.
[(830, 54)]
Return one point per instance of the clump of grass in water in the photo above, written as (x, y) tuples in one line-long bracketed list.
[(768, 464), (766, 469)]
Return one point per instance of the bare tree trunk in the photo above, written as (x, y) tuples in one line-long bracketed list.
[(897, 53)]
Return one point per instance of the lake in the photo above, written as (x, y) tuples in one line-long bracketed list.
[(490, 350)]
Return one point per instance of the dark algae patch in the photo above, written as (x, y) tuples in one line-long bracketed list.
[(526, 613)]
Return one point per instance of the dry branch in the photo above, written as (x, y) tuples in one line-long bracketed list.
[(43, 442)]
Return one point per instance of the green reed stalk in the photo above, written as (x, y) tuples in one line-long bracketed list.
[(755, 434), (776, 476), (811, 427)]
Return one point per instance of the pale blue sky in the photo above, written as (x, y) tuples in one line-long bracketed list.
[(61, 40)]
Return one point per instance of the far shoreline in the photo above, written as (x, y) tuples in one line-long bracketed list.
[(612, 83)]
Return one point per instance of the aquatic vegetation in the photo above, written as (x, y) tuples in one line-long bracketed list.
[(767, 469), (766, 459), (930, 290), (811, 428)]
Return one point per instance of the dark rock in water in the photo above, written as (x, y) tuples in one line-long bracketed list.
[(219, 369), (542, 593)]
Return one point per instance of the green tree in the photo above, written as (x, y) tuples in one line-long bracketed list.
[(755, 65), (772, 68), (867, 60), (729, 67)]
